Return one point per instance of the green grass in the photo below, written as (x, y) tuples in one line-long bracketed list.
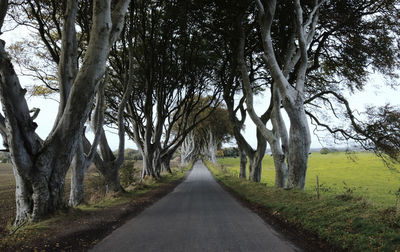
[(362, 173), (342, 217), (135, 190)]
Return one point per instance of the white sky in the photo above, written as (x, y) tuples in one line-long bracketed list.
[(375, 93)]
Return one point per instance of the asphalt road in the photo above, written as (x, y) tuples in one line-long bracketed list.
[(197, 216)]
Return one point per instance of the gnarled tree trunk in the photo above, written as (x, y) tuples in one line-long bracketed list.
[(40, 167), (243, 163)]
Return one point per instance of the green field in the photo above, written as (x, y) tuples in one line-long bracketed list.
[(361, 173)]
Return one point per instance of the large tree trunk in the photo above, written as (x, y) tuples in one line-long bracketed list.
[(212, 147), (295, 61), (112, 180), (23, 197), (299, 147), (40, 167), (82, 160), (157, 162), (255, 168), (280, 165), (77, 169), (39, 187), (255, 160), (243, 163), (166, 159), (187, 148), (148, 167), (279, 145), (166, 165)]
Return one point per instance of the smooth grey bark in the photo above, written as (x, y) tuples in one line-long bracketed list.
[(254, 156), (279, 145), (145, 134), (107, 163), (229, 94), (255, 159), (187, 148), (68, 64), (292, 96), (243, 163), (272, 136), (148, 168), (40, 167), (82, 160), (76, 194), (157, 161), (212, 147)]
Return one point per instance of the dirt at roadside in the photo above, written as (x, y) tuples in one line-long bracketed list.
[(85, 229)]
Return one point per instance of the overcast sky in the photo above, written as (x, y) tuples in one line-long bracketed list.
[(375, 93)]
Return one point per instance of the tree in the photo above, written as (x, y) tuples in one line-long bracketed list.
[(368, 33), (172, 68), (310, 57), (35, 14), (225, 16), (324, 151), (40, 166), (292, 94), (209, 135)]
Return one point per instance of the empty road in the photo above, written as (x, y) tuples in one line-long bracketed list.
[(197, 216)]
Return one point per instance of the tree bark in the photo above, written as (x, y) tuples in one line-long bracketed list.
[(292, 95), (187, 148), (77, 169), (255, 160), (82, 160), (166, 162), (212, 147), (40, 167), (243, 163), (299, 147)]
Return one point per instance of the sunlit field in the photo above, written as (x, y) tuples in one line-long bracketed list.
[(361, 173)]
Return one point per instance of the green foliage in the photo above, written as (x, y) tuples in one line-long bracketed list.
[(127, 173), (345, 221), (220, 153), (324, 151), (4, 158), (231, 152)]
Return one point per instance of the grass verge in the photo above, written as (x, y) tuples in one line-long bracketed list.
[(344, 221), (82, 227)]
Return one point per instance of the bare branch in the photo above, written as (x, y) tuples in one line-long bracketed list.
[(246, 86), (260, 7), (99, 119), (35, 113)]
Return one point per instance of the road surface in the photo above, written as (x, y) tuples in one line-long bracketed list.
[(197, 216)]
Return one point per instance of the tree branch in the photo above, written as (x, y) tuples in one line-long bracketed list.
[(3, 12)]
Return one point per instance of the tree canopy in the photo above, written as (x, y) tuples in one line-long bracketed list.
[(159, 70)]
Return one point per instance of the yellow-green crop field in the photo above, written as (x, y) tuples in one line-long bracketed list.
[(360, 173)]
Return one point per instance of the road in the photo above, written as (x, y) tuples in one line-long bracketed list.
[(197, 216)]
